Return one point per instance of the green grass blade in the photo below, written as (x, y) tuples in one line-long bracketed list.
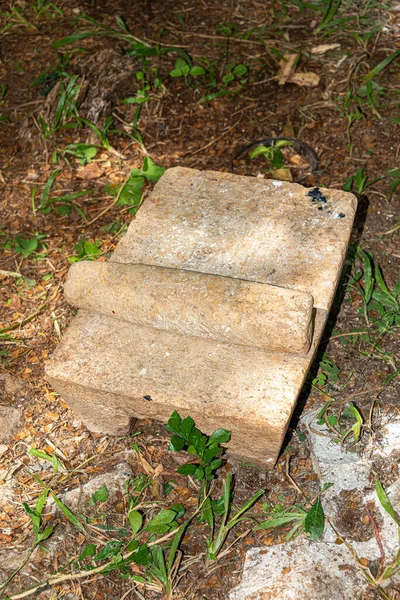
[(332, 8), (47, 187), (368, 277), (279, 521), (245, 508), (386, 504), (382, 65), (68, 513), (175, 544), (75, 37), (381, 282)]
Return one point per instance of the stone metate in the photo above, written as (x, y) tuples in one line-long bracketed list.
[(177, 320)]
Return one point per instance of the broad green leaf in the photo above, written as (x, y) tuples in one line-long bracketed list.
[(26, 245), (356, 428), (151, 171), (260, 151), (135, 520), (176, 443), (211, 452), (133, 545), (176, 73), (63, 209), (187, 469), (199, 473), (220, 436), (131, 192), (197, 71), (240, 70), (314, 521), (181, 64), (43, 535), (164, 517), (194, 437), (215, 464), (100, 495), (110, 549), (201, 444), (174, 423), (187, 426), (89, 550), (142, 556)]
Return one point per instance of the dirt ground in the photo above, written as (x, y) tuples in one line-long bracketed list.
[(200, 121)]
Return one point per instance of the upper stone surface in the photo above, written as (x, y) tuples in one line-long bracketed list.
[(249, 228)]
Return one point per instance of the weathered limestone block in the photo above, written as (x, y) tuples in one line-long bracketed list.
[(108, 370), (266, 232), (245, 227), (209, 306)]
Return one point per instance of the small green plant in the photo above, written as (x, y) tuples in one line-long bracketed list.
[(311, 521), (234, 72), (63, 203), (219, 533), (129, 193), (272, 154), (66, 114), (338, 420), (206, 449), (394, 175), (83, 153), (385, 570), (28, 246), (115, 227), (47, 9), (184, 69), (16, 18), (144, 93), (102, 135), (381, 307), (360, 182), (203, 466), (85, 251), (328, 375), (40, 533)]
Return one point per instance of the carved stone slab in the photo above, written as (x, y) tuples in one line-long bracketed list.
[(109, 369)]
